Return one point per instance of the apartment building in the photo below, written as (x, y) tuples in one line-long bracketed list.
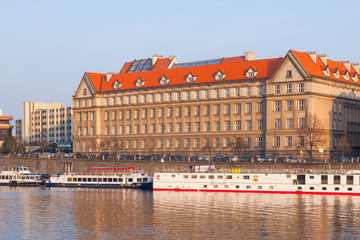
[(5, 127), (45, 123), (158, 105)]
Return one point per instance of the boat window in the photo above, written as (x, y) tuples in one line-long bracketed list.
[(110, 179), (204, 186), (247, 177), (271, 187), (89, 179), (84, 179), (120, 179), (23, 177), (145, 180), (237, 186), (216, 186), (337, 189), (27, 177), (311, 177), (259, 187), (130, 180), (299, 188), (349, 189), (138, 180), (229, 177), (194, 176), (10, 177), (115, 179), (311, 188), (173, 175), (349, 180), (336, 179), (211, 176), (99, 179), (202, 176), (185, 176), (248, 186), (105, 179), (220, 176), (69, 179), (324, 188), (324, 179), (94, 179), (73, 179), (226, 186)]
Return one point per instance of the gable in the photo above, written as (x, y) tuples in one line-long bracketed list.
[(289, 71), (85, 89)]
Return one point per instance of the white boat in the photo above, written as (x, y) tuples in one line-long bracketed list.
[(19, 176), (295, 182), (103, 178)]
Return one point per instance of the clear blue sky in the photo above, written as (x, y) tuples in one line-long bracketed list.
[(46, 46)]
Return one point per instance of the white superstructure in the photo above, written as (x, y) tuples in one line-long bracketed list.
[(305, 182)]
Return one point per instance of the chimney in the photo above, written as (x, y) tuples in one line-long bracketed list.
[(172, 61), (355, 66), (312, 55), (346, 64), (249, 56), (155, 57), (108, 76), (323, 58)]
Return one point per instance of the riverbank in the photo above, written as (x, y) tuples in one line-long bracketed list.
[(53, 165)]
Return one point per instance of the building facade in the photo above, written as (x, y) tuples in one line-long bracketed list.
[(5, 127), (160, 106), (45, 123)]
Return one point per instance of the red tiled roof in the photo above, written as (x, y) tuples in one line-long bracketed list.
[(234, 68), (318, 68)]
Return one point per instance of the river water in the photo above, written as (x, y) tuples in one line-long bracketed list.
[(62, 213)]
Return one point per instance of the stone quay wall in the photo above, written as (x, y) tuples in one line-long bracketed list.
[(53, 166)]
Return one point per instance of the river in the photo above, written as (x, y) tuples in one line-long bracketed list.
[(63, 213)]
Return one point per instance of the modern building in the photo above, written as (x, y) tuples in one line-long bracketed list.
[(5, 127), (45, 123), (160, 106)]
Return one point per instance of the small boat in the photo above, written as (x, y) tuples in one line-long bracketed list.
[(298, 181), (103, 177), (19, 176)]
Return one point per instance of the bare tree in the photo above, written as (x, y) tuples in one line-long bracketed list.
[(311, 134), (344, 146), (237, 145), (209, 147)]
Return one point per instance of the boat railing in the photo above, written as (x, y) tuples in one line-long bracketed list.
[(266, 171), (98, 173)]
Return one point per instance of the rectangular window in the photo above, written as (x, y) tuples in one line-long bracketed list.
[(289, 105), (238, 125), (248, 108), (277, 89), (259, 141), (248, 91), (324, 179), (145, 128), (301, 122), (197, 127), (207, 94), (301, 87), (289, 74), (207, 126), (260, 107), (207, 110), (197, 142), (153, 128), (170, 112), (248, 141), (277, 141), (227, 125), (92, 115), (145, 113), (152, 113), (277, 106), (161, 112), (189, 111), (248, 125), (188, 127), (197, 110), (260, 124), (301, 105), (136, 113), (238, 108), (106, 115), (187, 143), (289, 88), (227, 109), (336, 179), (179, 111), (114, 129), (170, 127), (238, 92), (289, 123), (178, 143), (289, 141), (129, 129), (179, 127), (217, 109), (129, 114), (217, 126)]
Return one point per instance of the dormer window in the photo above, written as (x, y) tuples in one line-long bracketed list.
[(164, 80), (117, 85), (327, 71), (251, 73), (346, 76), (220, 75), (336, 73), (355, 77), (140, 82), (190, 78)]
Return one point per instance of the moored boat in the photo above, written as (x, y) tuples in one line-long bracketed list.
[(298, 181), (19, 176), (118, 177)]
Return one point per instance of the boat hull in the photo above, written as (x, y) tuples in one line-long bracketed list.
[(78, 185)]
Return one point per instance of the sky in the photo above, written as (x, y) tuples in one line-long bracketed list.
[(47, 46)]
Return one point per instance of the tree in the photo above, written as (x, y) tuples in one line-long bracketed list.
[(311, 135), (209, 147), (11, 145), (237, 145)]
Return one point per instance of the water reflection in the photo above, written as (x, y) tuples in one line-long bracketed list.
[(34, 213)]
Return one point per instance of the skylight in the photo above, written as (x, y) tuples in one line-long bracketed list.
[(192, 64), (140, 65)]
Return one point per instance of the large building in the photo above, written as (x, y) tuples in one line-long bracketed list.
[(45, 123), (5, 127), (160, 106)]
